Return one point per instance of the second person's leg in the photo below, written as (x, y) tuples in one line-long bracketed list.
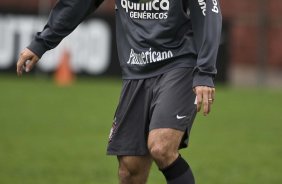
[(134, 169)]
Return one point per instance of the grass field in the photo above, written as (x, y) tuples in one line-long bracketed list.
[(52, 135)]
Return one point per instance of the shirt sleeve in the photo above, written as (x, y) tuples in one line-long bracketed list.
[(206, 24), (63, 19)]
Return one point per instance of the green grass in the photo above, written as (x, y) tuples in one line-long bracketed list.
[(53, 135)]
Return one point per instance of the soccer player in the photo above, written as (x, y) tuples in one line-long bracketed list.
[(167, 51)]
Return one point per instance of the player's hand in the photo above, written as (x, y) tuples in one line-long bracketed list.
[(26, 61), (205, 97)]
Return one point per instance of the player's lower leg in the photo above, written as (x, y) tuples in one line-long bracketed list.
[(179, 172), (163, 146), (134, 169)]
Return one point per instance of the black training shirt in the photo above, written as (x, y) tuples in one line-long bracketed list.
[(153, 36)]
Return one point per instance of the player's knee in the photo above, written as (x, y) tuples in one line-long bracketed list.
[(160, 152), (124, 174), (127, 172)]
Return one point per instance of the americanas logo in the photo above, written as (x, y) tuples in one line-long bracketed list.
[(148, 57), (146, 9)]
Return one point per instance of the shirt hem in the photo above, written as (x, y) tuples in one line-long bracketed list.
[(145, 76)]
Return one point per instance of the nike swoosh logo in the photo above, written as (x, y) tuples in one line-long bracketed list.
[(180, 117)]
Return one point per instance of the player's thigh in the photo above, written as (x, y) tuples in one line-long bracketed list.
[(173, 103), (173, 110), (163, 145), (164, 140)]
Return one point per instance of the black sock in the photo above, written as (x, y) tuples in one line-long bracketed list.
[(179, 172)]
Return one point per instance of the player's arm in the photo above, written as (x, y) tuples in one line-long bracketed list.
[(206, 23), (63, 19)]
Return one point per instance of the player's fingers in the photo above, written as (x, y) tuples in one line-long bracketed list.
[(213, 94), (210, 100), (199, 94), (210, 96), (30, 64), (26, 61), (206, 104), (21, 64)]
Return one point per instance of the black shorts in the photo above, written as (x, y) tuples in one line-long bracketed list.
[(164, 101)]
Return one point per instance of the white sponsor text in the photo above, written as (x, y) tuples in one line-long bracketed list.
[(203, 5), (147, 57), (155, 9)]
